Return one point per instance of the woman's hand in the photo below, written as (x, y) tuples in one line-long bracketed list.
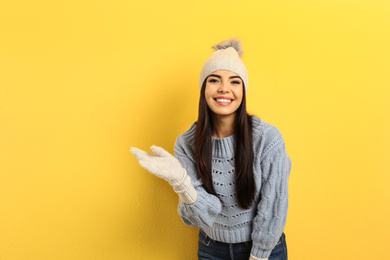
[(167, 167), (162, 164)]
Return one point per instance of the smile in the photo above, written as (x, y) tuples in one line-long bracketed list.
[(223, 101)]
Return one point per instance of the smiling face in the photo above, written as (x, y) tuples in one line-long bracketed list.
[(223, 92)]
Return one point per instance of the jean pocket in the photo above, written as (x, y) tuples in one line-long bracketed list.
[(280, 250), (204, 238)]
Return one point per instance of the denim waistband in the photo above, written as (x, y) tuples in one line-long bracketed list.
[(247, 243)]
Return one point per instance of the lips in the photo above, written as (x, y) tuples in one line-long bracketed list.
[(224, 101)]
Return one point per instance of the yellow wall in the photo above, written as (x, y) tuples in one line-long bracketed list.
[(82, 81)]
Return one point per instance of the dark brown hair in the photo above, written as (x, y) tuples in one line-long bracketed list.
[(243, 156)]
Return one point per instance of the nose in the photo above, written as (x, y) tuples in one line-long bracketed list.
[(223, 87)]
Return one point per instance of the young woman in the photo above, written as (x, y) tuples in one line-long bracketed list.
[(230, 169)]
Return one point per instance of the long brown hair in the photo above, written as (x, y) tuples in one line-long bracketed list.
[(245, 183)]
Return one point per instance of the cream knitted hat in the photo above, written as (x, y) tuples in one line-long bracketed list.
[(227, 56)]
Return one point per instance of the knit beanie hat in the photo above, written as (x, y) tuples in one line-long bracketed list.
[(227, 56)]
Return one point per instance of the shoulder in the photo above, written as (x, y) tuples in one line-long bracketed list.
[(185, 142), (266, 137), (264, 130)]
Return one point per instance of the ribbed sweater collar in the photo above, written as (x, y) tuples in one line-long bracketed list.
[(223, 147)]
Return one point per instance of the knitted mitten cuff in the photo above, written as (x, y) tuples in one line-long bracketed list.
[(184, 188), (252, 257)]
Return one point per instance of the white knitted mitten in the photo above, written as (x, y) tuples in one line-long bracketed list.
[(256, 258), (167, 167)]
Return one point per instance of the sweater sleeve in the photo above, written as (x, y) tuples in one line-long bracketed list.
[(205, 210), (271, 215)]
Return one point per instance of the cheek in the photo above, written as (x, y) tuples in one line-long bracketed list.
[(239, 95), (208, 102), (207, 96), (208, 93)]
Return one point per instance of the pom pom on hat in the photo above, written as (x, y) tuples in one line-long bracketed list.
[(233, 42), (225, 57)]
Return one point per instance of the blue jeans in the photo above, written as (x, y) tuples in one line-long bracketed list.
[(209, 249)]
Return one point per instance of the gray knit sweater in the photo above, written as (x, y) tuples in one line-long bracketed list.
[(220, 217)]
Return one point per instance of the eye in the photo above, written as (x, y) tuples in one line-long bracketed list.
[(213, 80), (236, 82)]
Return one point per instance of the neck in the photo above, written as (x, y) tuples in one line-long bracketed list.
[(223, 125)]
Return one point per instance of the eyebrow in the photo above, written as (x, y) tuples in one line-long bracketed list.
[(217, 76)]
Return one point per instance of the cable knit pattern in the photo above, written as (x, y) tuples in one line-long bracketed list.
[(220, 217)]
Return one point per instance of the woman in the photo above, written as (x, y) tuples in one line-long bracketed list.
[(230, 169)]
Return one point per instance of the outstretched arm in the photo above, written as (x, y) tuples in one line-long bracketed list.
[(204, 212)]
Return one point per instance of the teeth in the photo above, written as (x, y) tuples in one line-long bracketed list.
[(223, 100)]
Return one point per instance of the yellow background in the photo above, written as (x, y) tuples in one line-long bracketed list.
[(82, 81)]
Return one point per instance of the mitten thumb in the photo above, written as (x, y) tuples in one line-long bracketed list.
[(159, 151)]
